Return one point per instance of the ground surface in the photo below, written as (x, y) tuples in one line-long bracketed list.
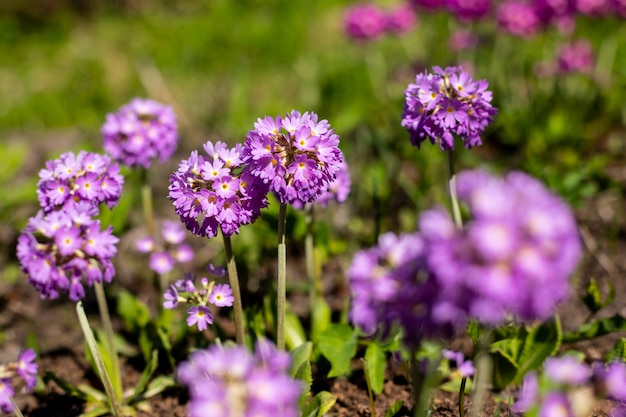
[(61, 345)]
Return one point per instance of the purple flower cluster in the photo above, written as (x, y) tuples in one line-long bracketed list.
[(444, 104), (139, 132), (297, 156), (568, 387), (576, 57), (216, 192), (186, 291), (338, 190), (84, 178), (57, 250), (369, 22), (231, 382), (24, 368), (163, 256), (514, 256)]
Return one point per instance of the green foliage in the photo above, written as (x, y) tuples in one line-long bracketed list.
[(596, 328), (525, 351), (395, 407), (338, 344), (319, 405), (593, 296), (376, 361), (617, 352)]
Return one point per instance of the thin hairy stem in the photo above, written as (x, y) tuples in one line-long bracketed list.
[(454, 201), (281, 296), (234, 285), (109, 333), (146, 200)]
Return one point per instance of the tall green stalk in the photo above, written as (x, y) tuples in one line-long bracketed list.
[(107, 325), (146, 201), (281, 296), (233, 278), (454, 201), (309, 252)]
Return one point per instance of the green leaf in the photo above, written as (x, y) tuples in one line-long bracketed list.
[(504, 371), (593, 297), (319, 405), (133, 311), (96, 411), (73, 390), (338, 345), (294, 332), (596, 328), (474, 331), (305, 374), (321, 318), (147, 373), (300, 355), (158, 385), (393, 410), (541, 342), (376, 360), (618, 352)]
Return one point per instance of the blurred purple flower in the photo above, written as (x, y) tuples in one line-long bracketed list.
[(462, 39), (6, 393), (567, 370), (27, 368), (401, 19), (518, 18), (164, 254), (555, 404), (139, 132), (221, 380), (469, 9), (528, 393), (161, 262), (364, 21), (576, 56)]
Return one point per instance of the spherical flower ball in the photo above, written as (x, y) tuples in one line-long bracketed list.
[(364, 21), (550, 11), (62, 250), (391, 285), (231, 382), (80, 178), (401, 19), (214, 192), (576, 57), (516, 253), (444, 104), (593, 7), (297, 156), (518, 18), (139, 132)]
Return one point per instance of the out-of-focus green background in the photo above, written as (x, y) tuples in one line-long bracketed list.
[(222, 64)]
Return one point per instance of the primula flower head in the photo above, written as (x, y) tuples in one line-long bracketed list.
[(71, 180), (446, 103), (516, 253), (229, 381), (215, 192), (296, 156), (140, 132), (59, 249), (518, 18)]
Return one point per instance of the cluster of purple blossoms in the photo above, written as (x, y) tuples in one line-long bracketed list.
[(163, 256), (518, 18), (337, 191), (24, 368), (447, 103), (199, 297), (514, 256), (365, 22), (297, 156), (139, 132), (231, 382), (576, 57), (84, 178), (57, 250), (568, 387), (216, 192)]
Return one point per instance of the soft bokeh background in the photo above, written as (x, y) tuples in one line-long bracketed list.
[(222, 64)]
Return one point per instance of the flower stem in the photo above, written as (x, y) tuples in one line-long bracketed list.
[(462, 397), (281, 296), (105, 317), (309, 251), (146, 200), (16, 408), (484, 370), (234, 285), (95, 352), (454, 201)]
